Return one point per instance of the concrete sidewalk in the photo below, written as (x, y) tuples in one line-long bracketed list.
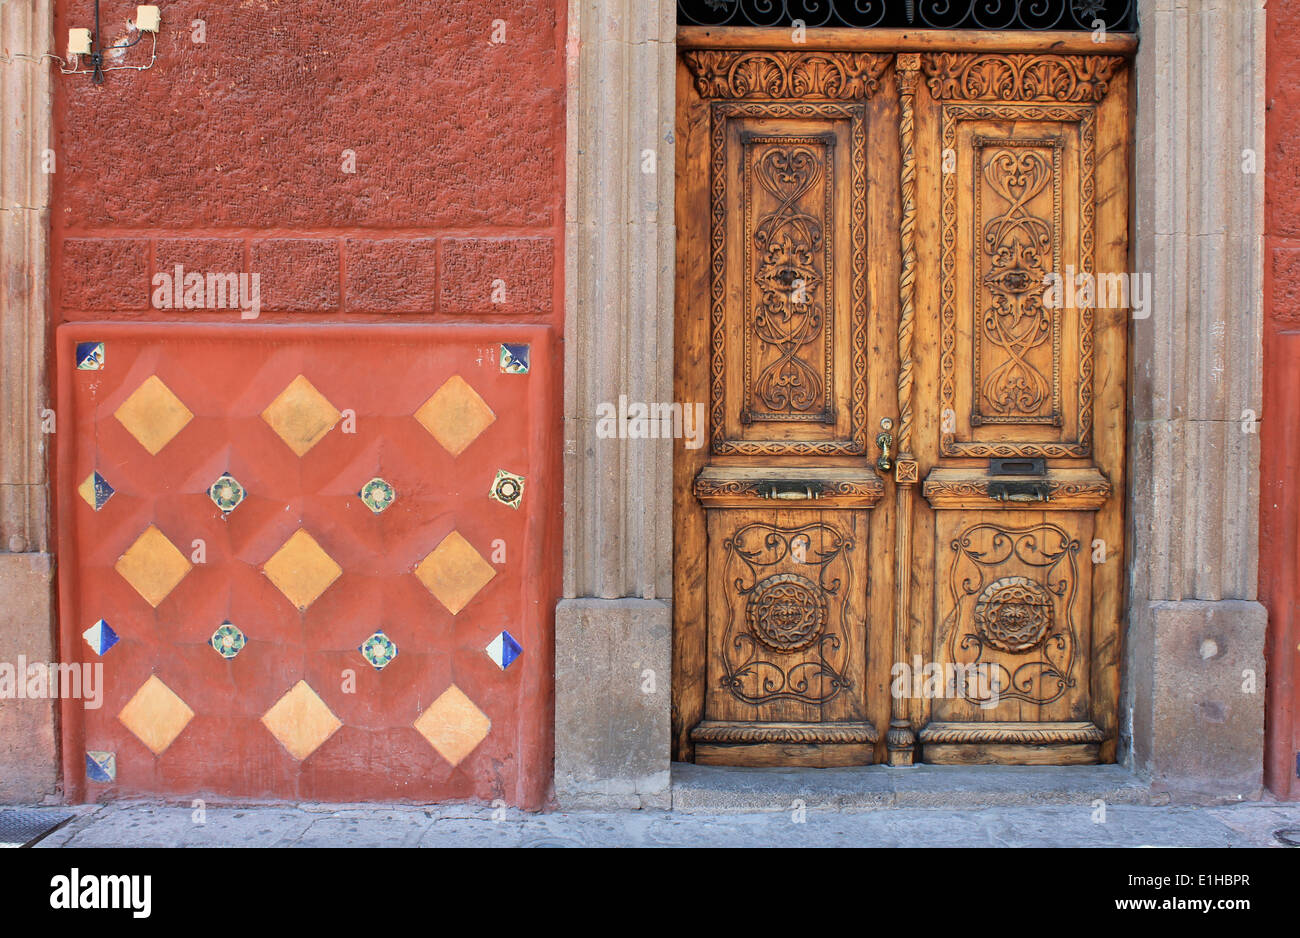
[(318, 825)]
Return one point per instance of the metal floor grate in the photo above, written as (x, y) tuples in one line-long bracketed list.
[(22, 827)]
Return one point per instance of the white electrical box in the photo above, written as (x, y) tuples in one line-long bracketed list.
[(147, 19), (78, 42)]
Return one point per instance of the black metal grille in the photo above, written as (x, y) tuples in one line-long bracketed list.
[(1118, 15)]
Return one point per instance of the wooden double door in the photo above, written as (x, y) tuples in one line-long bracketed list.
[(903, 539)]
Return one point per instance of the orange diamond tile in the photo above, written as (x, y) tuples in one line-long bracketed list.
[(301, 569), (153, 414), (301, 721), (153, 566), (454, 572), (301, 415), (455, 415), (156, 715), (453, 725)]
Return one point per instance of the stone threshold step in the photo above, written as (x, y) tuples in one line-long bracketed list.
[(712, 789)]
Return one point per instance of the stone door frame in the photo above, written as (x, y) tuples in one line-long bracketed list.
[(1193, 625)]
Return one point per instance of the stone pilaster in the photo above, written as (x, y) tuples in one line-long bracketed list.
[(28, 764), (613, 626), (1195, 387)]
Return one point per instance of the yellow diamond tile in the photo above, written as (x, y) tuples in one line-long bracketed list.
[(301, 721), (454, 572), (153, 414), (453, 725), (156, 715), (153, 566), (301, 415), (301, 569), (455, 415)]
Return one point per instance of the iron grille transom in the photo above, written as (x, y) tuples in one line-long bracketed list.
[(1118, 15)]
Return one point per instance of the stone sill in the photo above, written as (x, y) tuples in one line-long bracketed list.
[(715, 789)]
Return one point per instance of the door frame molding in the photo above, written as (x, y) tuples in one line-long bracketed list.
[(1192, 535)]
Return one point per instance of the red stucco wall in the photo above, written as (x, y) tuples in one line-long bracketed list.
[(229, 155), (1280, 429)]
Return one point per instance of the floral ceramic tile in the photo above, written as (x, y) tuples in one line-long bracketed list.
[(379, 650), (507, 488), (228, 640), (226, 493), (377, 495)]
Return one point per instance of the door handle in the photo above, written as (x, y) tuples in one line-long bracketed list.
[(885, 440)]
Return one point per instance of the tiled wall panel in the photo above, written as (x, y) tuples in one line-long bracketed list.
[(305, 558)]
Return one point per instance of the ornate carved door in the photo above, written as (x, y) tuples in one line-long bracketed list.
[(903, 539)]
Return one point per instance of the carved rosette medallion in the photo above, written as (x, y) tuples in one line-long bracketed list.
[(1012, 598), (786, 636), (786, 612), (1013, 614)]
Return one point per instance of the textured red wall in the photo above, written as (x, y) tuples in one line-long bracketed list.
[(229, 155), (1280, 429)]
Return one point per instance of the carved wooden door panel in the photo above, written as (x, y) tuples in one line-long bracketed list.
[(1020, 364), (913, 464), (786, 331)]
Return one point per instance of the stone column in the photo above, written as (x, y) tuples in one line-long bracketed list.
[(28, 761), (1196, 633), (614, 628)]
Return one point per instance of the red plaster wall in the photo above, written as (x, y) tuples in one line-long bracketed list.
[(1280, 429), (228, 155)]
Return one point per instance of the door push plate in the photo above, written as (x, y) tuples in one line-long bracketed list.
[(1006, 491)]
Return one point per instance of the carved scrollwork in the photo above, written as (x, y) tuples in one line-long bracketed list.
[(1019, 246), (773, 267), (1066, 78), (785, 644), (788, 245), (1008, 327), (1020, 625), (807, 75)]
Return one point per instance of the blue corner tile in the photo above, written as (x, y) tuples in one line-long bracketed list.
[(514, 359), (101, 766), (504, 650), (100, 637), (90, 356)]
